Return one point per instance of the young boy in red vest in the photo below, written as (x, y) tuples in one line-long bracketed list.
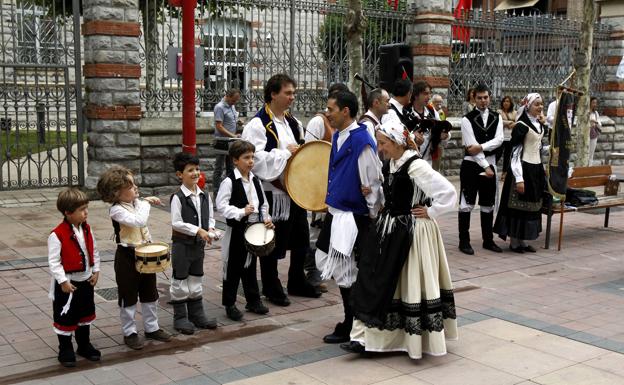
[(75, 266)]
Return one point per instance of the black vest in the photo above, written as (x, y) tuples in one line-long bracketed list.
[(239, 198), (189, 213), (483, 133), (399, 189), (407, 117)]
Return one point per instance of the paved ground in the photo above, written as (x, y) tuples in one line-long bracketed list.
[(546, 318)]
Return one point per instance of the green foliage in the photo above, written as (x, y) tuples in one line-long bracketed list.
[(332, 40)]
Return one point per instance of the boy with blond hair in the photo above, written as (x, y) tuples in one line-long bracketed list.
[(129, 215)]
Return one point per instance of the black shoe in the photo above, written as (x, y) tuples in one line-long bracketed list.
[(519, 249), (340, 334), (197, 316), (233, 313), (257, 307), (89, 352), (492, 247), (353, 347), (466, 248), (66, 355), (279, 301), (304, 290), (529, 249)]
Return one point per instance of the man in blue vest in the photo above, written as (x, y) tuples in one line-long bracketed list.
[(353, 168), (276, 134)]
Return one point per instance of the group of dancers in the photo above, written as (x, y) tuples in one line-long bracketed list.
[(379, 241)]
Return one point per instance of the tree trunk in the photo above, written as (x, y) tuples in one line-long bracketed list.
[(583, 73), (354, 27)]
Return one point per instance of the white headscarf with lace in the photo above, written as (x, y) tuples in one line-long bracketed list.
[(527, 102)]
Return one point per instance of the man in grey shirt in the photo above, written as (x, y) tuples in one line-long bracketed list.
[(226, 121)]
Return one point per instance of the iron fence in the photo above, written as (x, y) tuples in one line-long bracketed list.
[(40, 94), (515, 54), (244, 42)]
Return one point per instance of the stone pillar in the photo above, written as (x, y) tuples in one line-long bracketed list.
[(113, 108), (430, 39), (612, 99)]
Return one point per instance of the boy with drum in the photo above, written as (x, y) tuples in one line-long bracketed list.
[(192, 226), (129, 215), (242, 201), (75, 266)]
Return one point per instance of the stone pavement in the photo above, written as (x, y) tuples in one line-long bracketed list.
[(546, 318)]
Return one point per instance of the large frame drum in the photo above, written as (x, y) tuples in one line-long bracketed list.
[(306, 175)]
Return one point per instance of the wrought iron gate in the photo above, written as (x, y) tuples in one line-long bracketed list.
[(41, 137), (244, 42), (518, 53)]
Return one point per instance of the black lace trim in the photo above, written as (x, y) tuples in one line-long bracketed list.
[(415, 318)]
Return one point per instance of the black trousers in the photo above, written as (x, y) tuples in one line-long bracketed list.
[(472, 183), (236, 271), (293, 235)]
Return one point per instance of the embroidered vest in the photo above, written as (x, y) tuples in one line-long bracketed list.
[(239, 197), (271, 132), (130, 235), (484, 133), (189, 214), (72, 256), (343, 185)]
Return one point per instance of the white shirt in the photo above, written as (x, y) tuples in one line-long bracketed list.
[(370, 126), (315, 129), (232, 212), (392, 115), (430, 182), (132, 219), (552, 111), (269, 166), (178, 224), (369, 169), (468, 138), (54, 258)]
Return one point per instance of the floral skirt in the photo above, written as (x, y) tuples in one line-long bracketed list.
[(422, 314)]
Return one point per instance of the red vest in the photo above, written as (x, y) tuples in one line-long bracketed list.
[(72, 257)]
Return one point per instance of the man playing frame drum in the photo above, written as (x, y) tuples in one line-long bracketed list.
[(276, 135), (242, 202), (353, 167)]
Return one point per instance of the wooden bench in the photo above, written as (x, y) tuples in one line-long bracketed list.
[(583, 177)]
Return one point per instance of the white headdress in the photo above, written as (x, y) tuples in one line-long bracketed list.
[(395, 131), (527, 102)]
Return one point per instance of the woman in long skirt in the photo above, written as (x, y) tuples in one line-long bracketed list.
[(519, 214), (403, 297)]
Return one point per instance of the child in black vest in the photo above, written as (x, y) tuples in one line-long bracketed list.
[(241, 200), (75, 266), (192, 224)]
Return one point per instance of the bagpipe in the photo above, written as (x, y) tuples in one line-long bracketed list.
[(434, 128)]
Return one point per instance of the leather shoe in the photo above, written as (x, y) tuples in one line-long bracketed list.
[(279, 301), (233, 313), (335, 338), (466, 248), (353, 347), (257, 307), (492, 247), (529, 249), (519, 249)]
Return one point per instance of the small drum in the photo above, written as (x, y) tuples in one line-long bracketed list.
[(259, 240), (306, 175), (152, 258)]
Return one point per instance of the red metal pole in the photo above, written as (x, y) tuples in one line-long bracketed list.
[(188, 76)]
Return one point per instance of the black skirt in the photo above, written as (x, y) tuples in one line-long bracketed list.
[(520, 215), (380, 267)]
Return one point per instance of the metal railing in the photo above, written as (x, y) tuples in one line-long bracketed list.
[(244, 42), (515, 54)]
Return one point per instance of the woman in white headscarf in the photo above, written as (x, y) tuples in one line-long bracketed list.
[(519, 214), (403, 296)]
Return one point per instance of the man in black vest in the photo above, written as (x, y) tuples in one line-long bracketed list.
[(482, 136), (276, 134)]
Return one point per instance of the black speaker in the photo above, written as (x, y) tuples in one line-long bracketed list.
[(395, 63)]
